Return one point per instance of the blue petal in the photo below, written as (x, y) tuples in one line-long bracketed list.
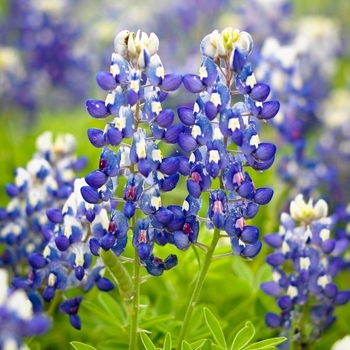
[(55, 215), (96, 137), (171, 82), (165, 118), (260, 92), (263, 195), (172, 133), (106, 81), (114, 136), (186, 115), (193, 83), (187, 142), (37, 261), (90, 194), (269, 109), (97, 109), (96, 178)]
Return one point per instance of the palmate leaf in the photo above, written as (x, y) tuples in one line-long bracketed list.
[(81, 346), (243, 337), (147, 342), (266, 344), (215, 328)]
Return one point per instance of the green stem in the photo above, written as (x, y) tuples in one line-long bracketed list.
[(135, 305), (198, 287), (301, 342)]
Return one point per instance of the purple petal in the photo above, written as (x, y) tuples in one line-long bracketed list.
[(96, 178), (186, 116), (187, 142), (171, 82), (275, 259), (90, 194), (263, 195), (271, 288), (269, 110), (106, 81), (193, 83), (165, 118), (54, 215), (272, 320), (260, 92), (97, 109), (96, 137)]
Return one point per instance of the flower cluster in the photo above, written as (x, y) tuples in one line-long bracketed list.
[(213, 143), (305, 263), (66, 260), (46, 181), (18, 320), (222, 136), (214, 140)]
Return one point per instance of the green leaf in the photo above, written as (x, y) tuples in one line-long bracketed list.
[(207, 345), (244, 336), (266, 344), (243, 271), (155, 320), (215, 328), (147, 342), (185, 346), (99, 313), (196, 320), (197, 344), (167, 342), (217, 347), (111, 306), (81, 346), (263, 274)]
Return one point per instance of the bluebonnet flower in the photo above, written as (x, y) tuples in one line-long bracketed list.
[(305, 291), (137, 86), (18, 320), (221, 138), (67, 259), (212, 136), (46, 181)]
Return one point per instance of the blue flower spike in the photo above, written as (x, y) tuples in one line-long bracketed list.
[(304, 241)]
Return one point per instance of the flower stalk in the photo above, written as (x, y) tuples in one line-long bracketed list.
[(198, 287)]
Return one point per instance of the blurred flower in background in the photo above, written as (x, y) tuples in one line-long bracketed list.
[(18, 320), (52, 66)]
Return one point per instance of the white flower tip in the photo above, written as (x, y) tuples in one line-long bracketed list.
[(302, 211), (246, 41), (153, 44), (320, 209), (342, 344), (120, 42)]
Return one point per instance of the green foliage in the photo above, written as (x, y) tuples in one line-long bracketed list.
[(81, 346), (243, 337), (215, 328)]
